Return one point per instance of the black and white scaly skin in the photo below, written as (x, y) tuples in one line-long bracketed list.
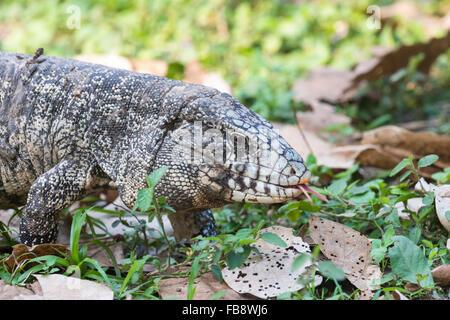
[(68, 127)]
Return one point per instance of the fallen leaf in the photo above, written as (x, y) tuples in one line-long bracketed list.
[(207, 285), (324, 84), (397, 295), (348, 249), (21, 253), (418, 143), (59, 287), (383, 148), (270, 273), (411, 287), (409, 11), (441, 275), (338, 86), (321, 117)]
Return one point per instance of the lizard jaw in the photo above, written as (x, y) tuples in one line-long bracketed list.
[(245, 189)]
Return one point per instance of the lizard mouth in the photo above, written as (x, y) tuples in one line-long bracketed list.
[(245, 189)]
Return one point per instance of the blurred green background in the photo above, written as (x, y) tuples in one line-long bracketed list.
[(259, 47)]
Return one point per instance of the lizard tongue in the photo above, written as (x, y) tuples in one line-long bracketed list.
[(305, 189)]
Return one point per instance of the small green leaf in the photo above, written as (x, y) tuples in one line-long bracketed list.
[(414, 235), (402, 164), (378, 251), (428, 199), (447, 215), (235, 259), (156, 176), (272, 238), (409, 262), (300, 261), (145, 198), (427, 160), (405, 175), (215, 269), (388, 236), (243, 233), (363, 198), (330, 270), (218, 295), (337, 187), (310, 160), (358, 190), (393, 218)]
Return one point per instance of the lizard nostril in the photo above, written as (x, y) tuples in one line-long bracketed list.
[(293, 172)]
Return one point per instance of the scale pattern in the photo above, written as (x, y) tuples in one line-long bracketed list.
[(69, 127)]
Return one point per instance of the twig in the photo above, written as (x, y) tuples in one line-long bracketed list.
[(301, 131)]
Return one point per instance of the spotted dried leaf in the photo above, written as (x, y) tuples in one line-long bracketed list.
[(269, 273), (348, 249)]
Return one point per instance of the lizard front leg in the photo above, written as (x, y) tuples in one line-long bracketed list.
[(187, 225), (52, 192)]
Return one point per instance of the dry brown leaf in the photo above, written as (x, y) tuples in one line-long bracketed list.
[(21, 253), (419, 144), (383, 148), (441, 275), (397, 295), (59, 287), (321, 117), (292, 134), (337, 86), (348, 249), (207, 285), (339, 157), (324, 83), (269, 274), (409, 11), (412, 287)]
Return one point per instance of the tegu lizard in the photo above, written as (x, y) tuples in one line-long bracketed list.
[(68, 128)]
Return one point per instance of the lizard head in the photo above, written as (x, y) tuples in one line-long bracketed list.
[(219, 152)]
